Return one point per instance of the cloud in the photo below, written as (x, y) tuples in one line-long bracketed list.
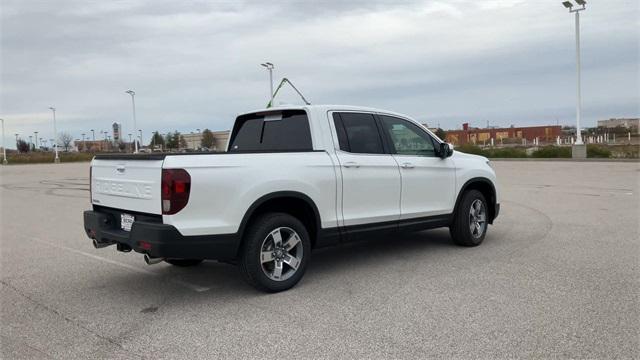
[(195, 64)]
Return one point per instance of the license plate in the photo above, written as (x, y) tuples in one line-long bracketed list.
[(126, 221)]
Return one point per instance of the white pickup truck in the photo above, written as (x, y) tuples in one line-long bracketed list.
[(292, 179)]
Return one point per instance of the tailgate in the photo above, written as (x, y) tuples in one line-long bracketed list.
[(132, 185)]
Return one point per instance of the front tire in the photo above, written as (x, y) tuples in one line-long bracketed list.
[(275, 252), (470, 224)]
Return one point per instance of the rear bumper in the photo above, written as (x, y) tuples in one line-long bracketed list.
[(157, 239)]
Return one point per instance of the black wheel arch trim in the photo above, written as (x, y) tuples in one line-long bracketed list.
[(277, 195), (492, 200)]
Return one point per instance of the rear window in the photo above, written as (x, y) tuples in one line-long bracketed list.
[(286, 130)]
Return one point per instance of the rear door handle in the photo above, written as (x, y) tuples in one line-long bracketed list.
[(351, 164), (407, 165)]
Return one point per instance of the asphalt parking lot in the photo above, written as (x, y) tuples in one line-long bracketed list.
[(557, 276)]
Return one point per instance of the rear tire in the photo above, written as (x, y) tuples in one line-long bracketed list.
[(275, 252), (183, 262), (470, 224)]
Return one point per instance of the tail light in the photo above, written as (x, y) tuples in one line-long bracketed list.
[(176, 185), (90, 185)]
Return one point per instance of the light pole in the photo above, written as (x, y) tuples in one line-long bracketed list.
[(55, 134), (269, 66), (4, 147), (36, 133), (569, 5), (84, 144), (133, 104), (140, 131), (93, 135)]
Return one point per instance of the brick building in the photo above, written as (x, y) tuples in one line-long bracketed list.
[(547, 133)]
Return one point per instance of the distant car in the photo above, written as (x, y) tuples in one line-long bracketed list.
[(292, 179)]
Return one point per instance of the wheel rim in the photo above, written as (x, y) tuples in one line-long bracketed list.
[(281, 254), (477, 218)]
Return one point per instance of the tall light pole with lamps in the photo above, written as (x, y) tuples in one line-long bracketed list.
[(36, 133), (133, 104), (269, 66), (579, 150), (55, 135)]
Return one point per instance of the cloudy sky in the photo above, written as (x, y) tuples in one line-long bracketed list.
[(195, 64)]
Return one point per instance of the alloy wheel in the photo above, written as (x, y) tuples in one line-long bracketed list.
[(477, 218), (281, 254)]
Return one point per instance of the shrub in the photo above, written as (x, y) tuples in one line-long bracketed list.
[(470, 149), (597, 151), (509, 152), (552, 152), (47, 157)]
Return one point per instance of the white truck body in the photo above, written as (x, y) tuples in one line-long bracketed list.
[(349, 190)]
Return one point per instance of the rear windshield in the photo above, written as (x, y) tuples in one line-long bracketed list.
[(286, 130)]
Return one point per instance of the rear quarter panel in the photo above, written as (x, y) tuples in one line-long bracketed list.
[(224, 186)]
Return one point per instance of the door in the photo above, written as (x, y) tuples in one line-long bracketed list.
[(370, 177), (428, 181)]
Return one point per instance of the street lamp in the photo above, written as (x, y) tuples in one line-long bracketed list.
[(133, 104), (93, 134), (4, 147), (35, 132), (55, 134), (269, 66), (84, 144), (569, 5)]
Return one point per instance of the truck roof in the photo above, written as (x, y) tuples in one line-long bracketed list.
[(324, 108)]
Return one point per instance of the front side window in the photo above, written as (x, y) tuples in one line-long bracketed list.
[(407, 138), (358, 133), (286, 130)]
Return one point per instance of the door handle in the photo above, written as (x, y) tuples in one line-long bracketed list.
[(407, 165), (351, 164)]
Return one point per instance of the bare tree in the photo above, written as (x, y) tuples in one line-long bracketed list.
[(23, 146), (66, 139), (207, 139)]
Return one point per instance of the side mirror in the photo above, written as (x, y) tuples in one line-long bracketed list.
[(446, 150)]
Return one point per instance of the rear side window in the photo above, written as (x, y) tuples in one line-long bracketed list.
[(358, 133), (286, 130)]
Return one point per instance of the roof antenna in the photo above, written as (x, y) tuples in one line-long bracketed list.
[(282, 82)]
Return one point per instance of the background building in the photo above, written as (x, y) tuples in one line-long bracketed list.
[(220, 138), (117, 132), (468, 135), (628, 123)]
